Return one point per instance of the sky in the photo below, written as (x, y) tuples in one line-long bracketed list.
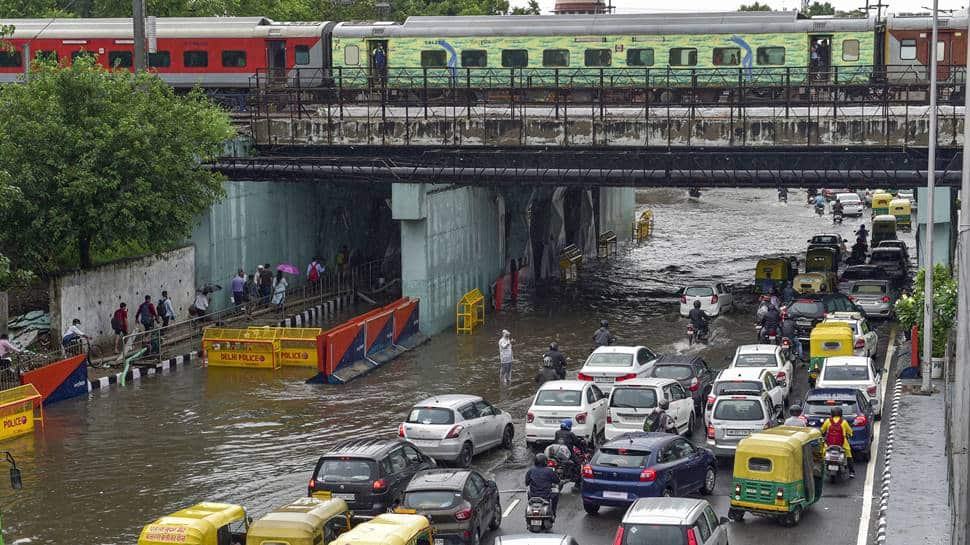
[(643, 6)]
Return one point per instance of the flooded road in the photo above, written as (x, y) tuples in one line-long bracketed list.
[(110, 463)]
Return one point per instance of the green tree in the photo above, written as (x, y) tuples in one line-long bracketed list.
[(531, 9), (909, 309), (106, 163), (755, 7), (817, 8)]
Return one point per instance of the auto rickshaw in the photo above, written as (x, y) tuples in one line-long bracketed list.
[(827, 340), (778, 473), (902, 210), (201, 524), (306, 521), (822, 259), (883, 228), (815, 282), (772, 274), (880, 203), (390, 529)]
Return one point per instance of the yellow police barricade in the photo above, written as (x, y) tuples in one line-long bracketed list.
[(643, 227), (470, 312), (298, 346), (20, 409), (257, 348)]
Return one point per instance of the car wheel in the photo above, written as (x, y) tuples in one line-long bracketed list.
[(476, 537), (792, 519), (591, 508), (592, 440), (507, 437), (465, 456), (736, 515), (710, 479), (667, 493), (497, 519), (690, 426), (863, 456)]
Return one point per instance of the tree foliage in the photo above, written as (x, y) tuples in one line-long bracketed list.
[(531, 9), (102, 161), (818, 8), (909, 308), (754, 7)]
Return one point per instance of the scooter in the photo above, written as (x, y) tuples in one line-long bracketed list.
[(787, 351), (820, 209), (837, 218), (767, 336), (836, 462), (538, 514), (783, 195), (558, 458)]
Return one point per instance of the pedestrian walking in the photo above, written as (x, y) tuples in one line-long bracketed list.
[(379, 57), (146, 314), (238, 287), (200, 305), (279, 290), (265, 283), (314, 271), (505, 356), (343, 258), (119, 324), (165, 310)]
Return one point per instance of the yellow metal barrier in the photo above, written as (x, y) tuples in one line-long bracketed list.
[(470, 312), (19, 411), (257, 348), (606, 245), (570, 258), (298, 346), (643, 227)]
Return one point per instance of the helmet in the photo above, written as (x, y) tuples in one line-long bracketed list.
[(795, 410), (540, 459), (836, 411), (663, 404), (76, 322), (547, 361), (604, 323), (697, 304), (566, 424), (554, 346)]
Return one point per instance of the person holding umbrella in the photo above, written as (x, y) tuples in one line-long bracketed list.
[(280, 285)]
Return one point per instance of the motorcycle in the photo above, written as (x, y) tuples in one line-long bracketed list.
[(538, 514), (836, 462), (767, 336), (783, 195), (820, 209), (690, 334), (837, 218), (558, 458), (787, 351), (693, 335)]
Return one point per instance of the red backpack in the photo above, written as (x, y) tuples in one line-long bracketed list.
[(835, 434), (314, 272)]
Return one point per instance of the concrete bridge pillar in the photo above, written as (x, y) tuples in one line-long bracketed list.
[(943, 232)]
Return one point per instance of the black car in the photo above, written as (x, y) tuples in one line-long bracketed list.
[(461, 503), (809, 309), (369, 474), (892, 260), (692, 372)]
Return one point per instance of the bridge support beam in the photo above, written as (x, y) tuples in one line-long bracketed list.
[(943, 218)]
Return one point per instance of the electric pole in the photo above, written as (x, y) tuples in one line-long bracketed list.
[(138, 18), (927, 332)]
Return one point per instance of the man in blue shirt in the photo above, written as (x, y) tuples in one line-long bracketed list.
[(238, 287)]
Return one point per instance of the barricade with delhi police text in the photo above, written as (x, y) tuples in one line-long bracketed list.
[(20, 409), (257, 348)]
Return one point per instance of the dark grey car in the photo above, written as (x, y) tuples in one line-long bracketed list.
[(892, 260), (692, 372), (877, 297), (461, 504)]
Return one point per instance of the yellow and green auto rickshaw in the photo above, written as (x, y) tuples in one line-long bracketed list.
[(880, 203), (390, 529), (778, 473), (827, 340), (902, 210), (822, 259), (306, 521), (883, 228), (772, 274), (815, 282), (201, 524)]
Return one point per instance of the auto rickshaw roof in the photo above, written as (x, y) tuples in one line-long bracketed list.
[(899, 202), (832, 326), (191, 524), (884, 218), (302, 518), (386, 529), (782, 445)]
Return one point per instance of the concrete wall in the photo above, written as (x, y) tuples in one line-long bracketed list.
[(617, 206), (943, 231), (449, 245), (93, 295)]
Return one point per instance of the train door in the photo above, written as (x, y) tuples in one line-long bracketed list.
[(944, 54), (377, 60), (276, 59), (819, 56)]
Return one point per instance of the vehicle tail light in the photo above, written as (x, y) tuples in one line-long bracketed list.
[(852, 298), (529, 418), (648, 476), (683, 299), (627, 376), (781, 375), (580, 418), (871, 391), (780, 494), (885, 298), (694, 384), (860, 420), (379, 485), (710, 432), (400, 430), (587, 471), (767, 425), (737, 489), (609, 418), (691, 538), (584, 376), (464, 514), (455, 431), (860, 343), (313, 484), (618, 539), (714, 299), (785, 343), (710, 400)]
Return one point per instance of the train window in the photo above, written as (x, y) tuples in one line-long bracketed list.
[(598, 57), (474, 58), (850, 50), (434, 58), (119, 59), (683, 56), (351, 55), (727, 56), (75, 55), (515, 58), (195, 59), (907, 50), (940, 51), (159, 59), (553, 58), (772, 56), (234, 59), (46, 56), (639, 57), (10, 59), (302, 54)]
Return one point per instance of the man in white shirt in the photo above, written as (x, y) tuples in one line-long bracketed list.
[(73, 334)]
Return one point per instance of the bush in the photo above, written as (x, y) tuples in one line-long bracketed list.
[(909, 309)]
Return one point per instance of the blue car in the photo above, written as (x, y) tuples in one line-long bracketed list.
[(855, 409), (646, 465)]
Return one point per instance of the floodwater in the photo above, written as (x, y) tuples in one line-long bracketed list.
[(108, 464)]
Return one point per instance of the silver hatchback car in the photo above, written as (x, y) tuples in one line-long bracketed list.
[(672, 520), (453, 428), (735, 417)]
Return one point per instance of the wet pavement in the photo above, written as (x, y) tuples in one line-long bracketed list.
[(110, 463)]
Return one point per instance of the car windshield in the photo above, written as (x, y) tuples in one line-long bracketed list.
[(620, 457), (869, 289), (823, 407), (562, 398), (807, 308), (737, 386), (432, 499), (653, 534), (699, 291), (755, 360), (634, 398), (431, 415), (860, 273), (676, 372), (848, 197), (345, 470), (885, 257), (609, 359), (824, 240), (845, 372), (739, 409)]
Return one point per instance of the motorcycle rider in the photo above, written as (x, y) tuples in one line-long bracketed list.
[(819, 203), (547, 372), (770, 321), (565, 436), (788, 292), (603, 337), (837, 433), (541, 482), (796, 418), (837, 210), (699, 319), (862, 233), (783, 194), (787, 331), (659, 421), (558, 360)]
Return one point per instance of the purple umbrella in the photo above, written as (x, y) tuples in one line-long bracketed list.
[(287, 268)]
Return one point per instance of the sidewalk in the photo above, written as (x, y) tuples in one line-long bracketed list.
[(918, 510)]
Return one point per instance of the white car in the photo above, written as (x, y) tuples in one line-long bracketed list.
[(714, 299), (766, 356), (453, 428), (744, 381), (735, 417), (608, 365), (580, 401), (853, 372), (865, 339), (907, 194), (632, 400), (852, 205)]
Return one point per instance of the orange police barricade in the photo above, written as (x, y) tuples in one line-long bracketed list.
[(20, 409), (257, 348)]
